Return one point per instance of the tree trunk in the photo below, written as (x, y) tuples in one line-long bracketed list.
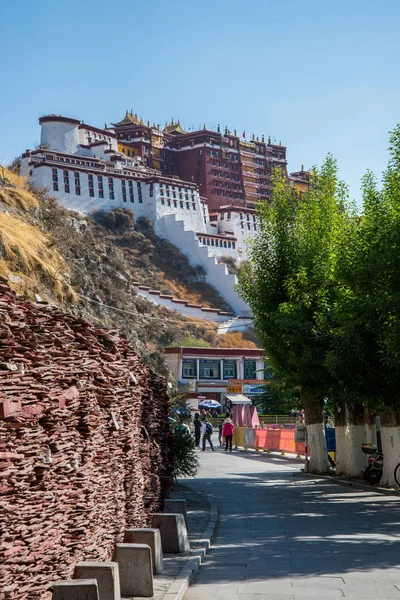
[(390, 435), (319, 462), (356, 459), (370, 427), (341, 440)]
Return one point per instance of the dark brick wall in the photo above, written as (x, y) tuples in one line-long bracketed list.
[(85, 396)]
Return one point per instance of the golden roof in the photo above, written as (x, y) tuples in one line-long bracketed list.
[(129, 119), (173, 127)]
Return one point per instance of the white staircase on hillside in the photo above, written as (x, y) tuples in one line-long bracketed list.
[(175, 232), (235, 325)]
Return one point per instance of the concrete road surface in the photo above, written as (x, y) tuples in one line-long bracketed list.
[(283, 538)]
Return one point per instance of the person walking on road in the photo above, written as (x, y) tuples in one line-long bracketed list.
[(206, 430), (197, 429), (227, 432)]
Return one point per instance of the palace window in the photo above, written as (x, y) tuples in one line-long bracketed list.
[(77, 183), (189, 369), (131, 196), (55, 180), (194, 206), (123, 185), (169, 202), (209, 369), (230, 369), (66, 181), (250, 369)]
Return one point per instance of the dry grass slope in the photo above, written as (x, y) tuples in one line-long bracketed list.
[(28, 259), (15, 192)]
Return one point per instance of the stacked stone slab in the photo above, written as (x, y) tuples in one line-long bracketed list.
[(84, 444)]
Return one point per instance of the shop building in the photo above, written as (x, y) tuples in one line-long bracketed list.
[(215, 373)]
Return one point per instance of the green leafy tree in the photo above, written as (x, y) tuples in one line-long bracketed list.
[(370, 305), (289, 285)]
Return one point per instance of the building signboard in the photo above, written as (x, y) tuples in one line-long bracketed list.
[(234, 389), (252, 389)]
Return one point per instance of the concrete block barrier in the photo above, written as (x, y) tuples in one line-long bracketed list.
[(174, 536), (152, 538), (135, 569), (105, 573), (177, 506), (75, 589)]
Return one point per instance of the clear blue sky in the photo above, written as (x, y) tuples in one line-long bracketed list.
[(320, 76)]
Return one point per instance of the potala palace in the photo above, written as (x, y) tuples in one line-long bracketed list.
[(199, 188)]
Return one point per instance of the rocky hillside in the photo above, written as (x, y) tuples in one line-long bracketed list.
[(87, 267)]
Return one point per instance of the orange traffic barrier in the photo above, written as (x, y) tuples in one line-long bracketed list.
[(269, 439)]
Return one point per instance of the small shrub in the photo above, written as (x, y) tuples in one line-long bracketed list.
[(144, 224), (186, 463), (119, 220), (15, 166), (190, 342), (231, 264)]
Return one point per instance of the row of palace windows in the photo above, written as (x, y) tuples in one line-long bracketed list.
[(182, 204), (229, 195), (100, 186), (193, 368), (216, 242), (168, 194), (248, 226), (73, 161), (97, 136)]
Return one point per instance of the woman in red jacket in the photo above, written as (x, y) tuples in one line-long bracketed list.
[(228, 430)]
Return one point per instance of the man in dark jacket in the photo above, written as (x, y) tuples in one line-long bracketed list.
[(197, 429)]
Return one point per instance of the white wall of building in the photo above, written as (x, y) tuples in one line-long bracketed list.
[(244, 227), (60, 136)]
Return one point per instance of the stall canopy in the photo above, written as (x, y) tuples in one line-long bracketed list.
[(238, 399)]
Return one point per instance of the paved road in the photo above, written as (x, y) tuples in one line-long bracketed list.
[(283, 538)]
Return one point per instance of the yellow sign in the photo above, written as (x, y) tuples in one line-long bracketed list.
[(234, 389)]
